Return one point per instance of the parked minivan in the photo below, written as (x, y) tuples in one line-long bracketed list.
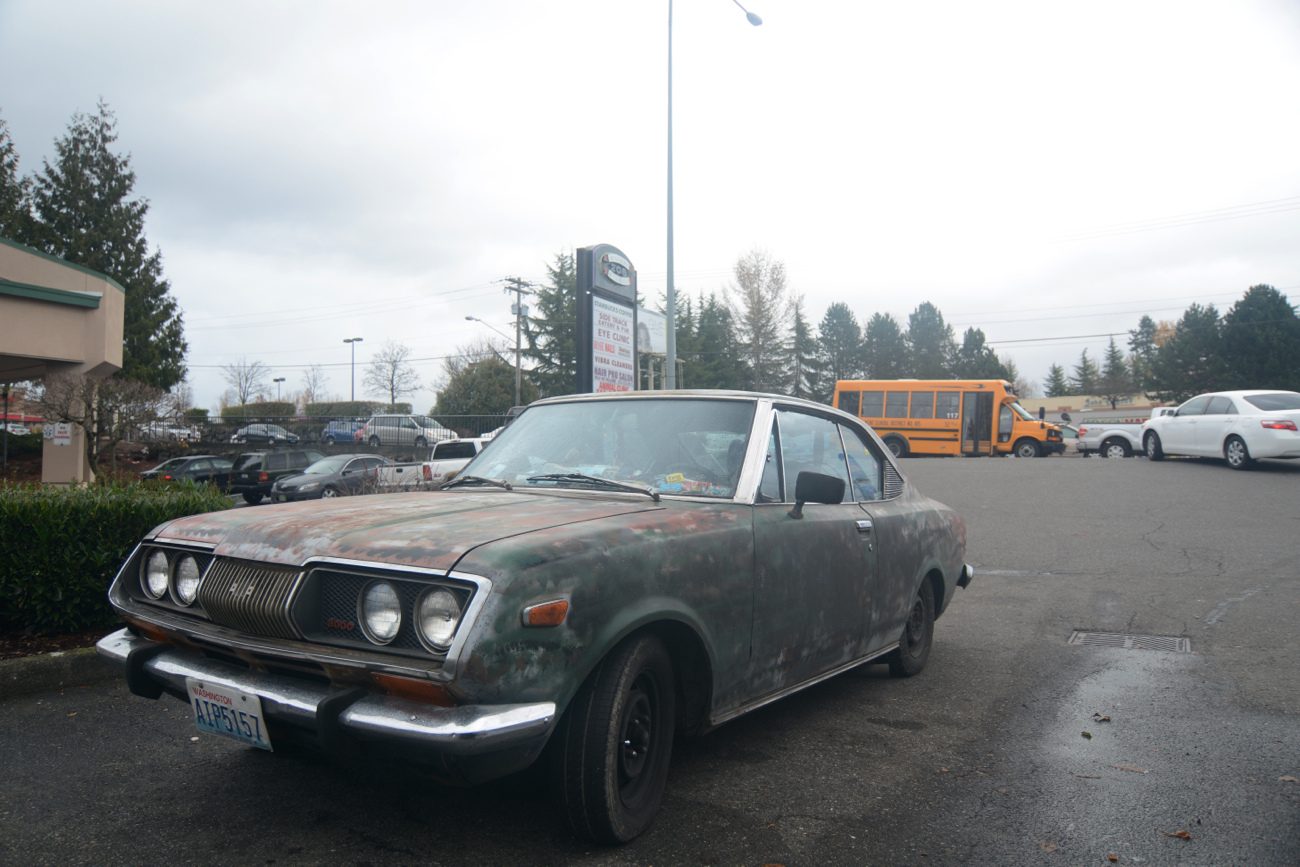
[(403, 430), (254, 473)]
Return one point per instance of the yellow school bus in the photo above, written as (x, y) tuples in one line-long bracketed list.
[(949, 417)]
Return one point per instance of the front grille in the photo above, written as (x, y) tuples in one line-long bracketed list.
[(249, 597)]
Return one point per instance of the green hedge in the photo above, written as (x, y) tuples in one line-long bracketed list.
[(31, 444), (340, 409), (271, 411), (60, 548)]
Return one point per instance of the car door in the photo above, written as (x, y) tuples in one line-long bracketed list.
[(199, 470), (812, 574), (1212, 427), (352, 477), (1178, 432)]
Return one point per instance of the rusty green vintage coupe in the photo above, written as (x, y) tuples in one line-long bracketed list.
[(612, 568)]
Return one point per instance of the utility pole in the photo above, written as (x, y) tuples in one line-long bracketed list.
[(521, 288)]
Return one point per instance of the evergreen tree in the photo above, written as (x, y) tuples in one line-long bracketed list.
[(975, 360), (550, 330), (16, 222), (884, 349), (1189, 362), (478, 383), (802, 362), (1086, 375), (758, 306), (87, 217), (720, 357), (1116, 380), (931, 343), (1056, 384), (839, 349), (1142, 343), (1261, 341)]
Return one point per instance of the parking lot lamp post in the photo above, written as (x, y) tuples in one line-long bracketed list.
[(518, 372), (354, 341), (670, 349), (277, 381)]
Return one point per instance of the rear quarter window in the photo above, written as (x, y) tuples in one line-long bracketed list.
[(248, 462)]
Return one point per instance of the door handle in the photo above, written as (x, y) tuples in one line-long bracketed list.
[(864, 526)]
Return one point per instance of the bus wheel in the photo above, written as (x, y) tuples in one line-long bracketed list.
[(896, 446), (1027, 448)]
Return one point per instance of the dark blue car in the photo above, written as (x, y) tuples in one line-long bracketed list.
[(340, 431)]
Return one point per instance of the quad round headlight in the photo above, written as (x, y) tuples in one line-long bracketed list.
[(437, 615), (187, 580), (155, 575), (381, 612)]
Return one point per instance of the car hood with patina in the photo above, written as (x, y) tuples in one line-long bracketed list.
[(431, 530)]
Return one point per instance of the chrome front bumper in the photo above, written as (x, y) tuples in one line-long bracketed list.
[(464, 731)]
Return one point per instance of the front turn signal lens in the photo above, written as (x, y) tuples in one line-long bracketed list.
[(416, 690), (546, 613)]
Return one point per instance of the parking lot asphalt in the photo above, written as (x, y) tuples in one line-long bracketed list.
[(982, 759)]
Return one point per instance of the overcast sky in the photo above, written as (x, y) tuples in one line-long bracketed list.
[(1046, 171)]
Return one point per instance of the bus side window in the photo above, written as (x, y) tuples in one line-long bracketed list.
[(947, 404), (923, 404), (873, 404), (850, 401), (896, 404)]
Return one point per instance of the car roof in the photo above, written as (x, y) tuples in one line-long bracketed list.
[(716, 394), (1248, 392)]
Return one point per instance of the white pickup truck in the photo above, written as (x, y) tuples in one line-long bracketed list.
[(1114, 436), (445, 459)]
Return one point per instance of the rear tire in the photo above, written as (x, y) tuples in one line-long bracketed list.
[(374, 442), (420, 443), (613, 744), (328, 440), (252, 498), (1115, 449), (917, 638), (1152, 445), (1236, 453), (897, 447), (1027, 448)]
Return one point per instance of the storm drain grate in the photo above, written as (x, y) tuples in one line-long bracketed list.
[(1132, 642)]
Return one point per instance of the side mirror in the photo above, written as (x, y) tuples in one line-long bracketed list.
[(816, 488)]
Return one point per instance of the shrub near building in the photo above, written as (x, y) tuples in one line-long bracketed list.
[(60, 548)]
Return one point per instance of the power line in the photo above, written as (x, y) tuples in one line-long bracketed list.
[(1273, 206)]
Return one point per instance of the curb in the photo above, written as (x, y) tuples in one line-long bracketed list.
[(46, 672)]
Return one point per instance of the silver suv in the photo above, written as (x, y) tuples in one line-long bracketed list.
[(403, 430)]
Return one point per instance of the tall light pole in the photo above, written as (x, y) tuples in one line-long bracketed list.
[(670, 350), (354, 341), (277, 381), (518, 370)]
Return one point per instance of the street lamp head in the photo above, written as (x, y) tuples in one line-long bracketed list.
[(471, 318), (753, 19)]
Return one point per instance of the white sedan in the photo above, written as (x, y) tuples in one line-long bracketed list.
[(1238, 426)]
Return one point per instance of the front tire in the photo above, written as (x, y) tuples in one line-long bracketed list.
[(330, 493), (420, 443), (329, 440), (1236, 453), (1115, 449), (1027, 448), (613, 744), (918, 636), (374, 442), (1152, 445)]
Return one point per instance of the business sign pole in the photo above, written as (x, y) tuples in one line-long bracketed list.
[(607, 320)]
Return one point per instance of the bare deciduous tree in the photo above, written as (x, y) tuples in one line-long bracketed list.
[(106, 410), (759, 307), (389, 373), (314, 382), (247, 378)]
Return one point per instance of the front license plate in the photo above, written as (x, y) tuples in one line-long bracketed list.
[(220, 710)]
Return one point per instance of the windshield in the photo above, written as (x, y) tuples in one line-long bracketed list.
[(681, 446), (1277, 402), (328, 465), (1023, 413)]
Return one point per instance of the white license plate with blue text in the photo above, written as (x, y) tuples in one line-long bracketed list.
[(230, 713)]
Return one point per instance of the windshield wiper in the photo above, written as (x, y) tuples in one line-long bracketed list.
[(477, 480), (599, 480)]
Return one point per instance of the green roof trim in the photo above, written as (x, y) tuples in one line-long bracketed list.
[(64, 262), (44, 293)]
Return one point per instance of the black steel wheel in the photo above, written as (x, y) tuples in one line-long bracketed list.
[(1152, 445), (610, 756), (917, 638), (1236, 453)]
